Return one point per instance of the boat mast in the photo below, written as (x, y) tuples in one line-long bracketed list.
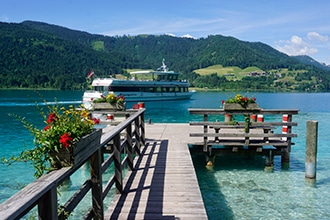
[(164, 67)]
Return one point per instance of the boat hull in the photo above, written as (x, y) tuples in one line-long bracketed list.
[(89, 96)]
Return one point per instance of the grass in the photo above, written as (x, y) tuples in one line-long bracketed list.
[(98, 45), (230, 72), (234, 73)]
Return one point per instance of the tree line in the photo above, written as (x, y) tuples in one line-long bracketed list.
[(40, 55)]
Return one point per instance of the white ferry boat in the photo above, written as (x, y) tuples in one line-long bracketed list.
[(163, 85)]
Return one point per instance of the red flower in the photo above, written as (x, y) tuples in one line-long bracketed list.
[(245, 99), (52, 117), (66, 140), (223, 101), (47, 127), (121, 97), (96, 120)]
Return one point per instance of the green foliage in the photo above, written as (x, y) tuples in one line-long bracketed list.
[(98, 45), (40, 55), (244, 101), (111, 98), (64, 127)]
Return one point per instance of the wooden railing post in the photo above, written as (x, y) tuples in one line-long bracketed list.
[(47, 206), (143, 138), (137, 135), (96, 178), (205, 132), (129, 146), (117, 162)]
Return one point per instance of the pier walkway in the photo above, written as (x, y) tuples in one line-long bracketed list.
[(163, 184), (153, 173)]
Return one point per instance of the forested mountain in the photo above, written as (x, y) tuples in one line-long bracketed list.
[(37, 54), (310, 61)]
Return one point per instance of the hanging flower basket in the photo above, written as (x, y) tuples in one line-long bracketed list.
[(62, 158), (62, 142), (66, 157)]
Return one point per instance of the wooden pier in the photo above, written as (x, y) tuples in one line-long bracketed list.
[(160, 183), (163, 184), (248, 137)]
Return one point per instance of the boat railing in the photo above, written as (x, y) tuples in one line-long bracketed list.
[(116, 149)]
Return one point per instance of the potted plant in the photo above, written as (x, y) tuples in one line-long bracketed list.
[(111, 101), (54, 144), (240, 102)]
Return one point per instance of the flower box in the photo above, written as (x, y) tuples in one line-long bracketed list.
[(66, 157), (236, 106), (109, 106)]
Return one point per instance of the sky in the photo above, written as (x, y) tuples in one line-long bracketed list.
[(294, 27)]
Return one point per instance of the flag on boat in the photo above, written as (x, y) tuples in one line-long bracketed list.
[(90, 74)]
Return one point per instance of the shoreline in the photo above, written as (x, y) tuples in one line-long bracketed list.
[(191, 89)]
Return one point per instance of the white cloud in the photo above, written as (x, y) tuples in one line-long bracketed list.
[(296, 46), (4, 18), (316, 36), (170, 34), (188, 36)]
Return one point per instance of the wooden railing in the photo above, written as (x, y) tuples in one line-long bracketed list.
[(124, 139), (253, 134)]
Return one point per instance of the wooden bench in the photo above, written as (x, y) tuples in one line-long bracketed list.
[(232, 136)]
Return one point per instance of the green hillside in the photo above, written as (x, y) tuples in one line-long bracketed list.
[(230, 72), (40, 55)]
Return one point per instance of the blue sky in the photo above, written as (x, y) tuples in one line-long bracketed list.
[(295, 27)]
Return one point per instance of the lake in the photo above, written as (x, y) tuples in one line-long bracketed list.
[(236, 188)]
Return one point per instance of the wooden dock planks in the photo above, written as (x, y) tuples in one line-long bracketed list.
[(163, 184)]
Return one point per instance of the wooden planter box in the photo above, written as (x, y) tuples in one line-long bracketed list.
[(109, 106), (66, 157), (236, 106)]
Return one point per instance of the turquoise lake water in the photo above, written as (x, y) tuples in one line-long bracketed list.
[(236, 187)]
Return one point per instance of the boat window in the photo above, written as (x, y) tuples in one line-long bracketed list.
[(153, 89), (99, 88), (124, 89), (150, 89)]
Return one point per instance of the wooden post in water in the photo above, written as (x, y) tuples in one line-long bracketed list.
[(285, 158), (269, 161), (228, 117), (311, 149)]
